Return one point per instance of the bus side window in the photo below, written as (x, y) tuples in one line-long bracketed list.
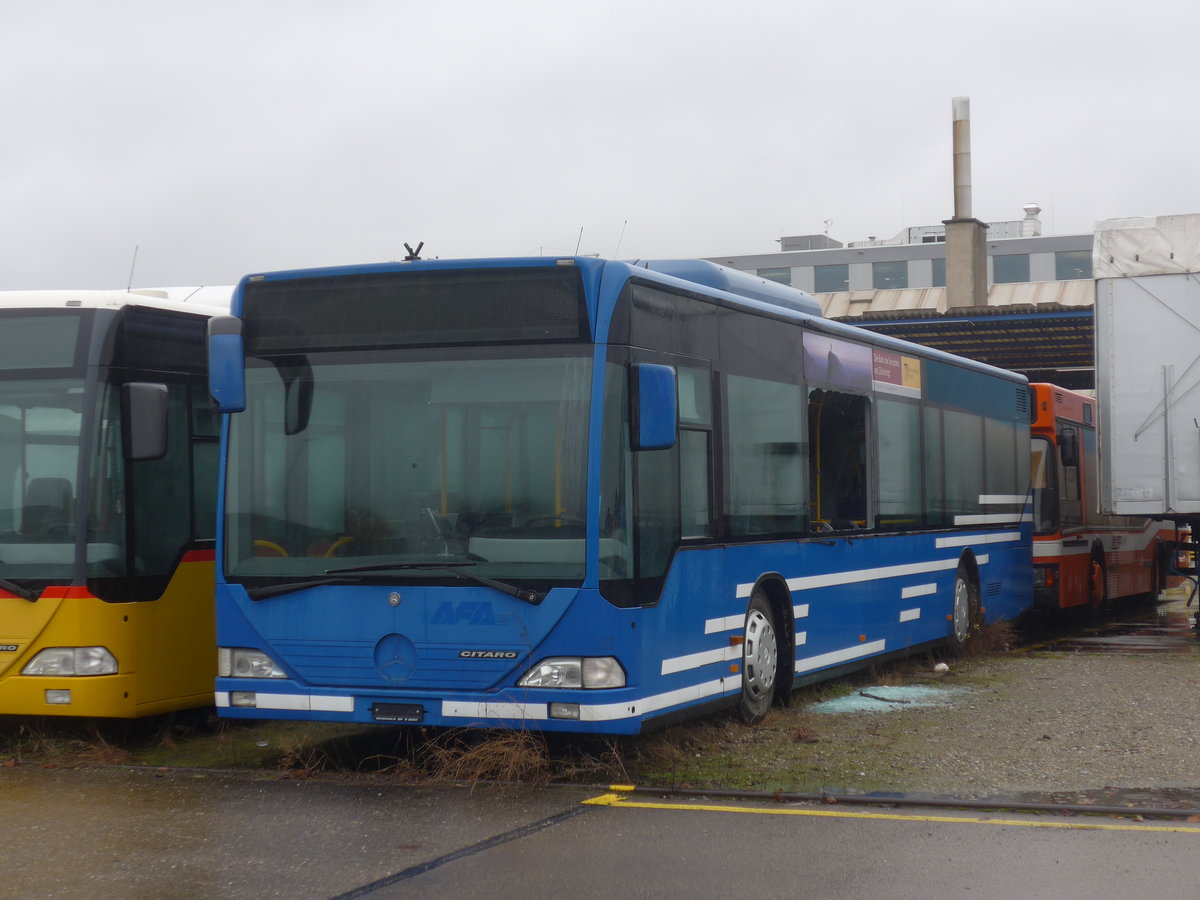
[(205, 434), (837, 425), (657, 509), (695, 452), (765, 456), (1071, 499)]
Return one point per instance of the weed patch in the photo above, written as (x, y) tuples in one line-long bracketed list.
[(990, 639), (474, 757), (81, 744)]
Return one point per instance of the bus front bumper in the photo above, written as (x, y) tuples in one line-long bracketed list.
[(618, 711)]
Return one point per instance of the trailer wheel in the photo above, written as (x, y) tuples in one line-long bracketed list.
[(760, 661)]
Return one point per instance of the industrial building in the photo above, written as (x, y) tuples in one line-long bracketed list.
[(1038, 319)]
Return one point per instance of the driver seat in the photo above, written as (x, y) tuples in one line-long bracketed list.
[(48, 503)]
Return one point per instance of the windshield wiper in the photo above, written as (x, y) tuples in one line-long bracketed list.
[(13, 588), (527, 596), (275, 590)]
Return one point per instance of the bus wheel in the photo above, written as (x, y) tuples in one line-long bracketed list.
[(760, 661), (966, 606)]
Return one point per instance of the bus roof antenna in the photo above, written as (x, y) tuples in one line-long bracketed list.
[(413, 255), (132, 266)]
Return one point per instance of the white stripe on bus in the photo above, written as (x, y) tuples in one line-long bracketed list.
[(459, 709), (725, 623), (603, 712), (1055, 549), (301, 702), (965, 540), (736, 623), (832, 579), (989, 519), (703, 658), (858, 651)]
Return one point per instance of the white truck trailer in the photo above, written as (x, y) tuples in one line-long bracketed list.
[(1147, 273)]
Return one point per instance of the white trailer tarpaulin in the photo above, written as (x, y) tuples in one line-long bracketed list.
[(1148, 364), (1160, 245)]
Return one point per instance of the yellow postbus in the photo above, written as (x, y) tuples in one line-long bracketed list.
[(108, 467)]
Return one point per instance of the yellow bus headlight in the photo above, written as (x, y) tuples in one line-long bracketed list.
[(76, 661)]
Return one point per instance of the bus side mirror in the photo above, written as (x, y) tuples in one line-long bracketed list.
[(226, 364), (655, 413), (144, 408), (1068, 447)]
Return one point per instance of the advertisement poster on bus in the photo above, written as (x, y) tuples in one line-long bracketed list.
[(895, 373), (836, 363)]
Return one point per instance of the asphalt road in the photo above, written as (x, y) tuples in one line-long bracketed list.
[(144, 834)]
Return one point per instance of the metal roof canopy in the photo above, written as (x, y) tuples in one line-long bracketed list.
[(1046, 342)]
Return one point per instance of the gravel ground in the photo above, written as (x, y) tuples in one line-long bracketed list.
[(1029, 724)]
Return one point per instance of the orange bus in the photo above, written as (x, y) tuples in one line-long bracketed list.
[(1082, 558)]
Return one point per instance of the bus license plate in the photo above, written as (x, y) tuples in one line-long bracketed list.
[(397, 712)]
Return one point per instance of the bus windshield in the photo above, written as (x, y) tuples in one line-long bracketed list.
[(478, 459), (1044, 484), (40, 509)]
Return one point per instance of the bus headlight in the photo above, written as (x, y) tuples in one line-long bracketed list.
[(244, 662), (575, 672), (72, 661)]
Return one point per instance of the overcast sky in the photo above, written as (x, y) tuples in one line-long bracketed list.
[(221, 138)]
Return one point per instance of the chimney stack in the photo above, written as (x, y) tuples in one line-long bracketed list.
[(962, 157), (966, 248)]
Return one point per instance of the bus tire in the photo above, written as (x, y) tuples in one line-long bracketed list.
[(965, 617), (760, 661)]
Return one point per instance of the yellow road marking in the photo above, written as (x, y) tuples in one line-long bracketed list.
[(622, 800)]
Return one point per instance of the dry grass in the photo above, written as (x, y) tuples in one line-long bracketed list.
[(986, 640), (35, 742), (694, 753), (298, 761), (500, 758)]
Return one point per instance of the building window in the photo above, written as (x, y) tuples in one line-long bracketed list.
[(1072, 264), (828, 279), (781, 276), (1010, 268), (939, 272), (890, 274)]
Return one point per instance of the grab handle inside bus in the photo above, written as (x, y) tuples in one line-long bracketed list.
[(226, 364), (655, 413)]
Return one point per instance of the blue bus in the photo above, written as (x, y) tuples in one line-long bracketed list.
[(583, 495)]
